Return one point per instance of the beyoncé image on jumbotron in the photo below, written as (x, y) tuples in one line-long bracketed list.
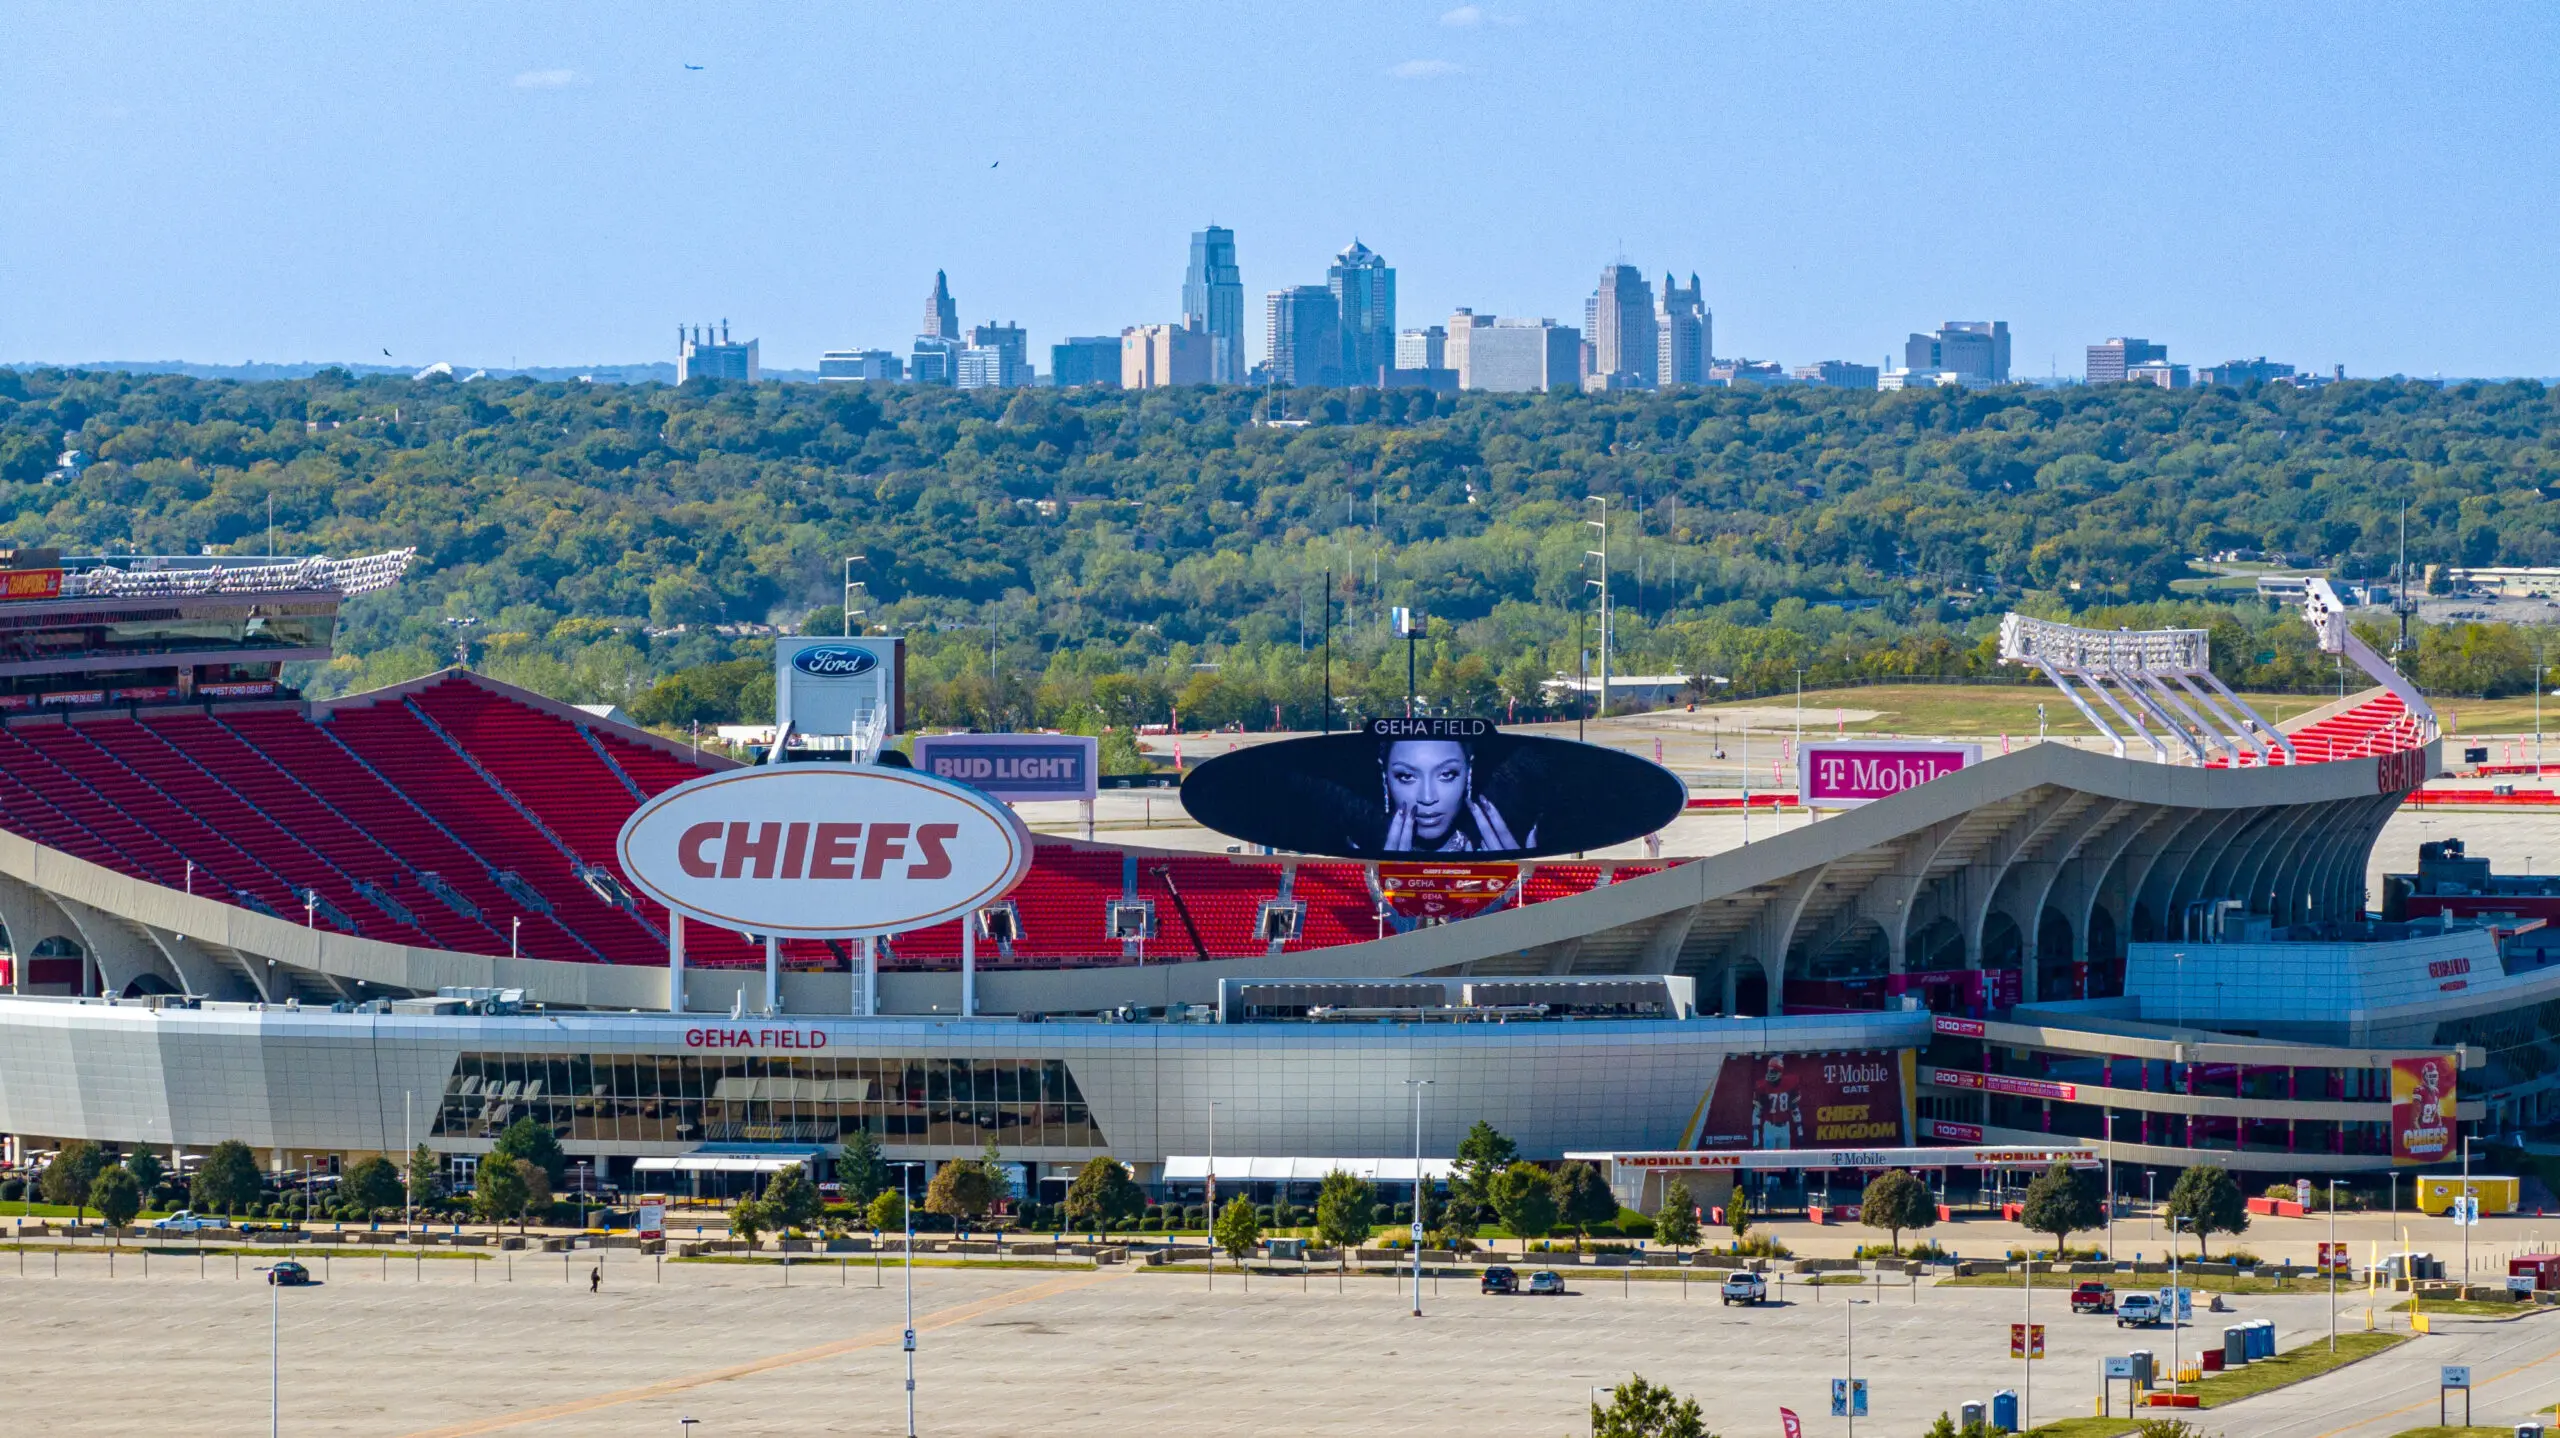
[(1433, 788)]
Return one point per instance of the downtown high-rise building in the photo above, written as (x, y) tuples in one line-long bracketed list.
[(1621, 329), (2109, 362), (1974, 351), (941, 312), (1213, 301), (1364, 296), (1305, 327), (1685, 334), (996, 357)]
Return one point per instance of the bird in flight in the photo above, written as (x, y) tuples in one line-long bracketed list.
[(693, 67), (999, 162), (386, 354)]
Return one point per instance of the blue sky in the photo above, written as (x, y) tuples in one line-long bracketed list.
[(495, 184)]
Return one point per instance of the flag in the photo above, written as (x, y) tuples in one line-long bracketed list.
[(1795, 1426)]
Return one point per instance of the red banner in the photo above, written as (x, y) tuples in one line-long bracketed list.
[(2003, 1083), (2422, 1100), (1444, 891), (1805, 1101), (1788, 1420)]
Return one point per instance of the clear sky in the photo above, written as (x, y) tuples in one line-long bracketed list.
[(2362, 184)]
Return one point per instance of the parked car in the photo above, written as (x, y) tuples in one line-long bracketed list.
[(1499, 1279), (288, 1274), (2138, 1310), (1546, 1281), (1746, 1288), (183, 1221), (2093, 1297)]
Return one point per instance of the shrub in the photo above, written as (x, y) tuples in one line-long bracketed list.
[(2241, 1258), (12, 1190), (1636, 1225), (1760, 1245)]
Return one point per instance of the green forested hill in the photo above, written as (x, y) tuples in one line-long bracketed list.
[(1058, 554)]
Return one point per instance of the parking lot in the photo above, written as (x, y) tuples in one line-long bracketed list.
[(431, 1350)]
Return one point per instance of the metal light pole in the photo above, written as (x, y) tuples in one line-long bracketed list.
[(1851, 1404), (2332, 1265), (1417, 1085), (2111, 1182), (848, 592), (1601, 584), (906, 1184), (1210, 1178), (2469, 1213), (2027, 1362)]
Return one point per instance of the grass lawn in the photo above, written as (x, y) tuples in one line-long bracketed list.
[(2467, 1308), (2149, 1282), (2292, 1366), (2267, 1374), (1988, 709)]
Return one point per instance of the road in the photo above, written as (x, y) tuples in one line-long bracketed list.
[(2513, 1373)]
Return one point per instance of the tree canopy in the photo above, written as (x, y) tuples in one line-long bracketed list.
[(2062, 1203), (2205, 1201), (1077, 555), (1102, 1193), (1896, 1200), (227, 1181)]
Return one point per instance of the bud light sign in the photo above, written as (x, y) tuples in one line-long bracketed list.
[(1846, 775), (835, 662), (1014, 767)]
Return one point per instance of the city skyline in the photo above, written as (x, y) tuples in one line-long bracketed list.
[(519, 189)]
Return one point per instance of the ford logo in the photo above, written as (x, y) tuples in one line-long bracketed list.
[(832, 663)]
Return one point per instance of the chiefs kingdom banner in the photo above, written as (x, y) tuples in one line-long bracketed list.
[(1821, 1100)]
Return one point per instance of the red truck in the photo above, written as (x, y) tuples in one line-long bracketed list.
[(2093, 1297)]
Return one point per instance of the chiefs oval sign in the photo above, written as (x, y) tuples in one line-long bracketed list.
[(823, 850)]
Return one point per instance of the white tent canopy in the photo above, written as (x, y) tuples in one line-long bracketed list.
[(722, 1163), (1193, 1168)]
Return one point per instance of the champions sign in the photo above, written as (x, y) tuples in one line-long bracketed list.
[(1846, 775), (2422, 1099), (823, 850)]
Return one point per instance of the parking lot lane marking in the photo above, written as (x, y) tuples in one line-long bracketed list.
[(878, 1337), (2416, 1407)]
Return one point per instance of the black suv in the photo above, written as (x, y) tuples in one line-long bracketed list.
[(1499, 1279)]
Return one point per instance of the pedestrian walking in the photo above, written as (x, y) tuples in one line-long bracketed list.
[(595, 1279)]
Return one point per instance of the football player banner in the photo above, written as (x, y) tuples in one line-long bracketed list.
[(2422, 1100), (1805, 1100)]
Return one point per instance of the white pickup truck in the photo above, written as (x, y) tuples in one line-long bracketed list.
[(1745, 1288), (183, 1221)]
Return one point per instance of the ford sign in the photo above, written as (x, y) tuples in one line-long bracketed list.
[(823, 850), (835, 663)]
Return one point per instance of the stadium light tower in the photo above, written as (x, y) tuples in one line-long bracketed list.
[(849, 582), (1601, 584)]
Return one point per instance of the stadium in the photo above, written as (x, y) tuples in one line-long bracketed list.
[(347, 927)]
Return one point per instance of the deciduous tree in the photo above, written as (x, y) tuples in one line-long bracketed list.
[(1676, 1222), (2205, 1201), (1637, 1409), (1894, 1201)]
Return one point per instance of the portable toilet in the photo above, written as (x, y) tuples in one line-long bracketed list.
[(2004, 1411), (2237, 1346), (2144, 1364), (2264, 1332), (1972, 1415)]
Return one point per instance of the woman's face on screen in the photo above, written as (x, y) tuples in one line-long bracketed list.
[(1429, 778)]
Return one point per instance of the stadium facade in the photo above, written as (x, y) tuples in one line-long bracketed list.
[(338, 928)]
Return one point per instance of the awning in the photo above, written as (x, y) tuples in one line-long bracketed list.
[(722, 1163), (1194, 1168)]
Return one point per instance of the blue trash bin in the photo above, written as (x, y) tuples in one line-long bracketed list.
[(2004, 1411)]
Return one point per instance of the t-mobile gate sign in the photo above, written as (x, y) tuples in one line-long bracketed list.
[(1845, 775), (823, 850)]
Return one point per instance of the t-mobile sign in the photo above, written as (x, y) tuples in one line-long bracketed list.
[(1846, 774)]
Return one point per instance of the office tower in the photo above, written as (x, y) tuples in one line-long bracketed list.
[(2159, 372), (1422, 349), (1153, 356), (1454, 350), (860, 365), (1517, 356), (2246, 372), (941, 315), (1839, 374), (1974, 351), (1364, 295), (2108, 362), (1686, 334), (934, 361), (1085, 360), (704, 352), (996, 357), (1622, 334), (1213, 302), (1305, 326)]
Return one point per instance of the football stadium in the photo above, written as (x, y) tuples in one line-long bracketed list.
[(347, 927)]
